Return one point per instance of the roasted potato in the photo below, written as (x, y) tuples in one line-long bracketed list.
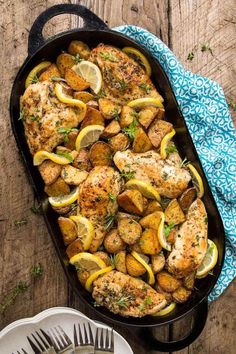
[(71, 139), (168, 282), (49, 171), (120, 215), (131, 201), (151, 207), (74, 248), (187, 198), (104, 256), (135, 247), (81, 48), (81, 161), (147, 115), (151, 221), (120, 262), (64, 61), (157, 131), (171, 237), (174, 213), (134, 267), (59, 187), (113, 243), (100, 154), (141, 142), (111, 129), (92, 117), (62, 210), (83, 276), (51, 71), (149, 243), (126, 116), (83, 96), (108, 108), (129, 230), (93, 104), (160, 114), (181, 295), (62, 149), (68, 230), (119, 142), (189, 281), (168, 296), (75, 81), (158, 262), (72, 175)]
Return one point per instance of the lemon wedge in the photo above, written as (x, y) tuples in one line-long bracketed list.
[(135, 52), (64, 200), (94, 276), (197, 180), (166, 310), (87, 261), (209, 260), (151, 277), (91, 73), (85, 230), (161, 233), (144, 188), (42, 155), (34, 72), (88, 136), (165, 142), (140, 103)]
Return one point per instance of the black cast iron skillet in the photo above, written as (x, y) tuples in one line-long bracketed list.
[(93, 32)]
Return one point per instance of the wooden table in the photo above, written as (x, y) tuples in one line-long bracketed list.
[(185, 26)]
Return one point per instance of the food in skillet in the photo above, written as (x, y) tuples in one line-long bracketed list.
[(129, 208)]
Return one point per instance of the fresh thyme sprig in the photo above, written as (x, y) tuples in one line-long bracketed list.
[(171, 148), (145, 87), (168, 228), (109, 220), (34, 79), (184, 163), (20, 222), (131, 130), (112, 197), (123, 301), (36, 209)]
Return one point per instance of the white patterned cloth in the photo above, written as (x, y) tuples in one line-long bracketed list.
[(206, 113)]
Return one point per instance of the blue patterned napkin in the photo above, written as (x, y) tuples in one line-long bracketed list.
[(206, 113)]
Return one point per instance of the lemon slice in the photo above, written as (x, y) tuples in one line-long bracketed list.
[(165, 142), (33, 73), (140, 56), (161, 234), (64, 200), (91, 73), (42, 155), (85, 230), (140, 103), (144, 188), (166, 310), (151, 278), (94, 276), (64, 98), (197, 180), (88, 136), (209, 260)]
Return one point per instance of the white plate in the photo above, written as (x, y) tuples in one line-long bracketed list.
[(13, 337)]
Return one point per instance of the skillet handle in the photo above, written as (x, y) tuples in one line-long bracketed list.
[(200, 316), (91, 21)]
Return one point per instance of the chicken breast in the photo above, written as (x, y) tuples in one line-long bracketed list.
[(191, 242), (95, 203), (44, 115), (123, 78), (127, 296), (169, 180)]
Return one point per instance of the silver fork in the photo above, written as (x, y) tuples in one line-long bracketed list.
[(19, 352), (60, 340), (83, 345), (41, 343), (104, 344)]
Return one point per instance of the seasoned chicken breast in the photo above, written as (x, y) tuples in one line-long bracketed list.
[(123, 78), (190, 243), (127, 296), (95, 203), (169, 180), (44, 115)]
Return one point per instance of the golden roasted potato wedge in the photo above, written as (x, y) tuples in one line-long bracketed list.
[(181, 295), (71, 139), (104, 256), (149, 243), (141, 142), (171, 237), (127, 116), (62, 210), (147, 115), (119, 142), (187, 198), (111, 129), (108, 108), (189, 281), (49, 171), (129, 230), (168, 296), (168, 282), (75, 247), (173, 213), (51, 71), (78, 47), (64, 61), (134, 268), (158, 262), (59, 187), (120, 262), (83, 96), (82, 161), (135, 247), (72, 175), (157, 131), (93, 104), (151, 221), (93, 117), (68, 230), (151, 207), (83, 276), (131, 201), (113, 243), (75, 81), (100, 154)]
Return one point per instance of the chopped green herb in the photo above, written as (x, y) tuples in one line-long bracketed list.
[(73, 206), (205, 48), (107, 56), (115, 114), (123, 85), (168, 228), (112, 197), (77, 58), (147, 88), (114, 259), (109, 220), (34, 118), (148, 300), (101, 94), (131, 130), (122, 302), (36, 271), (34, 80), (66, 131), (65, 154), (142, 307), (127, 174), (171, 148), (20, 222), (190, 56)]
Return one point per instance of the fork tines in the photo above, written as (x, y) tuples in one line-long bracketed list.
[(23, 351), (87, 339), (40, 342), (60, 340), (104, 343)]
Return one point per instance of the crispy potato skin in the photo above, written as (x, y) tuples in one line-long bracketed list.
[(141, 142), (83, 276), (173, 213), (129, 230), (151, 221), (74, 248), (149, 243), (119, 142), (100, 154), (131, 201), (168, 282), (147, 115), (62, 210), (157, 131), (64, 61), (189, 281), (75, 81), (187, 198), (181, 295), (108, 108), (111, 129), (82, 161), (93, 117), (83, 96), (127, 116), (151, 207), (81, 48), (104, 256), (51, 71), (158, 262), (73, 176), (134, 268), (168, 296), (113, 243), (49, 171), (68, 230), (59, 187), (120, 262)]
